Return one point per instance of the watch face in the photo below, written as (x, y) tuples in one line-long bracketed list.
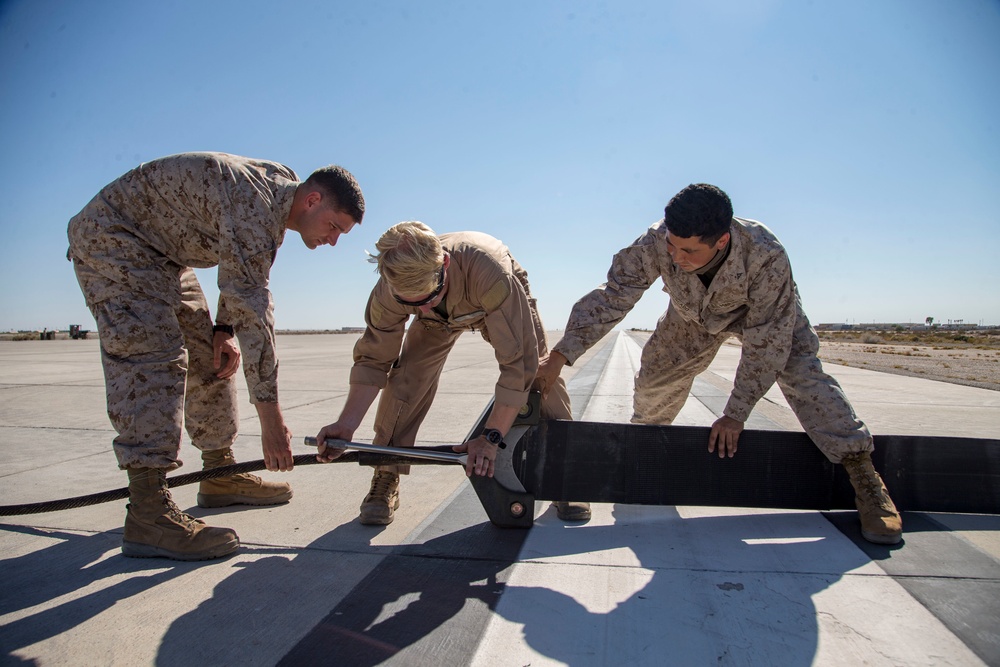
[(493, 436)]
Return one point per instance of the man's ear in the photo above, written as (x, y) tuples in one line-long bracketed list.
[(447, 260), (722, 242), (313, 198)]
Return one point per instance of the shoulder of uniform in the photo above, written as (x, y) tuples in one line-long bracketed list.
[(375, 312), (494, 297), (376, 308)]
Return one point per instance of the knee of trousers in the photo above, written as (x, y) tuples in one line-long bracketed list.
[(841, 436), (657, 406)]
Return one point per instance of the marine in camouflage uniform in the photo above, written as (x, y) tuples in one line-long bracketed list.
[(134, 248), (482, 288), (743, 288)]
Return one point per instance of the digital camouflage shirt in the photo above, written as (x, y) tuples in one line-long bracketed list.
[(753, 296), (195, 210)]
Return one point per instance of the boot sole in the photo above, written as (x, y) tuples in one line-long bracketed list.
[(881, 539), (213, 500), (139, 550), (572, 514), (376, 521)]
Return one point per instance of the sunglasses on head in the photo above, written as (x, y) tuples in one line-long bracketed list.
[(424, 302)]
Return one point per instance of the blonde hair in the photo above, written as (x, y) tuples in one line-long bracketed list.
[(409, 258)]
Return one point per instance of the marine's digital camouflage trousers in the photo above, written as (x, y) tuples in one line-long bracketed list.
[(679, 350), (158, 368)]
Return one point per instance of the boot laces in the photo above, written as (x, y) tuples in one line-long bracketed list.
[(175, 512), (382, 485), (869, 483), (241, 477), (245, 478)]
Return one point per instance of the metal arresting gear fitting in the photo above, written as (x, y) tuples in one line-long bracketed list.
[(505, 499)]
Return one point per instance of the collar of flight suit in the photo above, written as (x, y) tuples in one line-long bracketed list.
[(455, 293), (463, 309)]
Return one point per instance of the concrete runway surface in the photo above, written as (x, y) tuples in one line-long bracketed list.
[(441, 585)]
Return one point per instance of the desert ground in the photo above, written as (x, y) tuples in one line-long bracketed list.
[(959, 358)]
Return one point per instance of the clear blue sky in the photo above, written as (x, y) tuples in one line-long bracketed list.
[(866, 135)]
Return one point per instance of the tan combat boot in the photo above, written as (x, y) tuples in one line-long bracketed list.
[(572, 511), (241, 489), (156, 528), (382, 499), (880, 522)]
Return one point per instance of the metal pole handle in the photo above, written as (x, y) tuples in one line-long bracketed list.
[(410, 452)]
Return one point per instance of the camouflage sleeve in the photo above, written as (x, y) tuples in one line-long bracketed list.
[(512, 335), (378, 348), (247, 251), (632, 272), (767, 336)]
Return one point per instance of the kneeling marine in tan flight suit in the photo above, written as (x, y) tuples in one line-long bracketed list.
[(727, 276), (166, 367), (451, 283)]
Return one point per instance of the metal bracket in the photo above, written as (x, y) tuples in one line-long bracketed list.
[(503, 496), (507, 503)]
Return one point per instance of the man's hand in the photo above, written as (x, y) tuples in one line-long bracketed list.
[(726, 433), (481, 455), (224, 347), (549, 368), (335, 431), (275, 438)]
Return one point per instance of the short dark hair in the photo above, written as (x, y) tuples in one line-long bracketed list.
[(338, 183), (700, 210)]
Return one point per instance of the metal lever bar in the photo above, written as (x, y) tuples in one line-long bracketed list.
[(426, 453)]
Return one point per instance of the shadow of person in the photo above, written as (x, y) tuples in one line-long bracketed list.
[(76, 561), (727, 586), (701, 590), (389, 598)]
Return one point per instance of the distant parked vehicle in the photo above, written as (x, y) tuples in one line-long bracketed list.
[(75, 332)]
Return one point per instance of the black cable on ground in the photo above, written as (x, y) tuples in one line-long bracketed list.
[(362, 458), (179, 480)]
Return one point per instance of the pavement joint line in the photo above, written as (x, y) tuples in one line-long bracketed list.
[(11, 527), (394, 550), (59, 428), (50, 384), (798, 573)]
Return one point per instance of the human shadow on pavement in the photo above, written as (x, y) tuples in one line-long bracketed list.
[(342, 601), (705, 589), (701, 590), (77, 561)]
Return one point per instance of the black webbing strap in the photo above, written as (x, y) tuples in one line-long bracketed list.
[(671, 465)]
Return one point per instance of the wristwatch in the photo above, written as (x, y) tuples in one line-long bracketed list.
[(493, 436)]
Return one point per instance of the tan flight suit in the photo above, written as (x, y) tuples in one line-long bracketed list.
[(487, 292), (133, 248), (752, 297)]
